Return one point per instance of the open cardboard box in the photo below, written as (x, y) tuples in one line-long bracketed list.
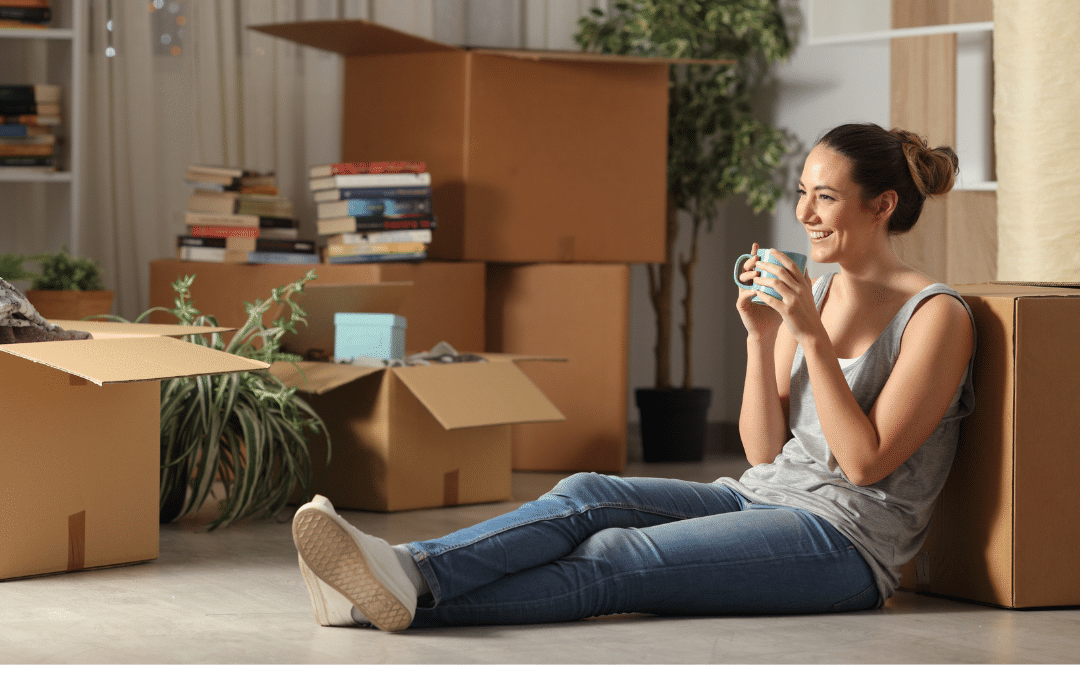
[(411, 437), (81, 443), (535, 156), (1005, 531)]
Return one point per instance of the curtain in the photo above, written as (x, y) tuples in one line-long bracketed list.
[(171, 83)]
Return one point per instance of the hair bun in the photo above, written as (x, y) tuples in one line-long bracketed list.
[(933, 169)]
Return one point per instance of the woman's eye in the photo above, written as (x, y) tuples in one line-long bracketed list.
[(801, 192)]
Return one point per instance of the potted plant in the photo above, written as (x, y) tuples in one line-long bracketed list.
[(717, 148), (66, 287), (243, 431)]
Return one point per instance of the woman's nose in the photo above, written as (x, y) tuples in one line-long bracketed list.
[(803, 211)]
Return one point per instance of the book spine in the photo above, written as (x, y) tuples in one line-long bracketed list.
[(200, 241), (339, 250), (286, 245), (28, 161), (279, 222), (221, 219), (272, 257), (30, 120), (348, 168), (223, 231), (376, 257), (28, 149), (421, 236), (397, 224), (371, 180), (29, 14), (344, 194)]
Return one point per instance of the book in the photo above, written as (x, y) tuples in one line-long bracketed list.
[(370, 180), (339, 250), (223, 231), (230, 171), (14, 163), (232, 243), (29, 93), (360, 224), (211, 254), (344, 168), (212, 178), (389, 207), (12, 130), (40, 109), (30, 120), (383, 237), (274, 257), (229, 202), (340, 194), (26, 14), (376, 257), (10, 148), (239, 220), (286, 245)]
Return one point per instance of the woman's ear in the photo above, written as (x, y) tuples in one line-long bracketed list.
[(886, 204)]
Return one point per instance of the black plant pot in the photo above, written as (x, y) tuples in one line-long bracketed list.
[(673, 423)]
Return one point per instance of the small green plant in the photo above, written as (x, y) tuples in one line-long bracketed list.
[(59, 271), (246, 430)]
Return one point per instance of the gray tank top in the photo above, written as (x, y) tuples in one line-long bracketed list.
[(887, 521)]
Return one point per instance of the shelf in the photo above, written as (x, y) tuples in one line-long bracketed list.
[(871, 36), (35, 177), (37, 33)]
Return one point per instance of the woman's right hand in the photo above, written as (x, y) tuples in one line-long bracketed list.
[(761, 321)]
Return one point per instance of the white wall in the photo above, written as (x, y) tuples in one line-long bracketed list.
[(818, 88)]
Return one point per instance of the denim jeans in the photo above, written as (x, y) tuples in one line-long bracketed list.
[(598, 545)]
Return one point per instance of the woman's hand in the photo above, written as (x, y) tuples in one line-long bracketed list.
[(797, 309), (761, 322)]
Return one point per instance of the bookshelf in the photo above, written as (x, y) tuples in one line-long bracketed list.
[(42, 212)]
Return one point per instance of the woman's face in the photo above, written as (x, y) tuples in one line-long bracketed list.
[(831, 208)]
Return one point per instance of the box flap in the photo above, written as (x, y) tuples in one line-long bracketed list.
[(478, 394), (113, 329), (352, 37), (1020, 289), (357, 37), (132, 359), (515, 358), (316, 377), (322, 301)]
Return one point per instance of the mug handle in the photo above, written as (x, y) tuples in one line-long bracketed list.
[(738, 270)]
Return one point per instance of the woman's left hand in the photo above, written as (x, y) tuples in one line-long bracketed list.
[(798, 309)]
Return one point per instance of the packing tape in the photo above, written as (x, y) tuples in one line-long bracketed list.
[(76, 541), (1037, 138), (451, 493)]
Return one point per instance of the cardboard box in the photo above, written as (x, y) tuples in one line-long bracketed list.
[(534, 156), (446, 303), (412, 437), (579, 312), (81, 444), (1005, 531)]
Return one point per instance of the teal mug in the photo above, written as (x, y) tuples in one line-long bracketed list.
[(766, 255)]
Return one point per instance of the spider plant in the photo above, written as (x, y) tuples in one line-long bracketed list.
[(246, 430)]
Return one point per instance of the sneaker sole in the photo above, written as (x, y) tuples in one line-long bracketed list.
[(335, 558)]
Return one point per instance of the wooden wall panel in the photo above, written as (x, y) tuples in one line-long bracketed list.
[(971, 237)]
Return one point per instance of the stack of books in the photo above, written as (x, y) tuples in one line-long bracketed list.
[(25, 14), (373, 211), (235, 215), (29, 114)]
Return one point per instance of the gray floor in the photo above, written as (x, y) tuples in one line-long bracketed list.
[(235, 596)]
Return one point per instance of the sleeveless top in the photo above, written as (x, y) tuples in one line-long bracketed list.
[(887, 521)]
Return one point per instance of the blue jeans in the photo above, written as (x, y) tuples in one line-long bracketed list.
[(599, 545)]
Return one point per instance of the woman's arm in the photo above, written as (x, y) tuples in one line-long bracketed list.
[(937, 344)]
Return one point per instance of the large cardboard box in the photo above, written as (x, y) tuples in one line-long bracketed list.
[(534, 156), (446, 303), (579, 312), (415, 436), (81, 444), (1007, 528)]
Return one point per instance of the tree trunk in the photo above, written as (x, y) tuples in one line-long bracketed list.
[(661, 278), (686, 267)]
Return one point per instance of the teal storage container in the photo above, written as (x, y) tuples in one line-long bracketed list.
[(381, 336)]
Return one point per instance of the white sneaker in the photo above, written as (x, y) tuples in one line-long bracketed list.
[(350, 566)]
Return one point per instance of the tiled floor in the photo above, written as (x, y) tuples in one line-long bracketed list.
[(235, 596)]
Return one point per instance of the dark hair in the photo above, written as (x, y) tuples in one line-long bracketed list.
[(894, 160)]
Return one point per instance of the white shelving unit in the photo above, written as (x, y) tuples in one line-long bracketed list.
[(833, 22), (39, 211)]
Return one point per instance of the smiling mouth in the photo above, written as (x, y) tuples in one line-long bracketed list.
[(818, 236)]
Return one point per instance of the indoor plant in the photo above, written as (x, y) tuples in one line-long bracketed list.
[(244, 430), (717, 148), (65, 287)]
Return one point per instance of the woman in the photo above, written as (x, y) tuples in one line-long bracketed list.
[(855, 386)]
